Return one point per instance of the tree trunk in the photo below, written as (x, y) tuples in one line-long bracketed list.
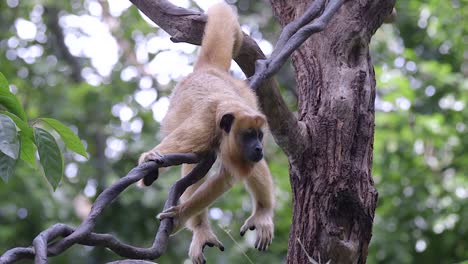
[(334, 197)]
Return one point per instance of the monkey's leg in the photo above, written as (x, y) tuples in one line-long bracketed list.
[(199, 224), (195, 135), (260, 187), (201, 198), (189, 137)]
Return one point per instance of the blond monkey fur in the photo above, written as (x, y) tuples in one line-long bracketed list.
[(194, 123)]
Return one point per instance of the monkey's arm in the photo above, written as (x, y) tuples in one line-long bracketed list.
[(260, 186), (205, 195)]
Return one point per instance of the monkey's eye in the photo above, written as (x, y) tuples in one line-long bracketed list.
[(260, 135), (251, 133)]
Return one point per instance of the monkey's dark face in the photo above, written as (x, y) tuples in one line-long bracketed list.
[(245, 136), (251, 144)]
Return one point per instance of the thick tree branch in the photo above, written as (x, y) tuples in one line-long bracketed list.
[(82, 235)]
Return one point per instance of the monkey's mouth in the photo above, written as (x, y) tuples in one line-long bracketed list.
[(256, 157)]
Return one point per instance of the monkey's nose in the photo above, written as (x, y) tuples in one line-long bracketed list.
[(257, 154)]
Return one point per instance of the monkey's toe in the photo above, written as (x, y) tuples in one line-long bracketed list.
[(151, 156), (171, 212), (202, 238)]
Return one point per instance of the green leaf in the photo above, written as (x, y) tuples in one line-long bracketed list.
[(7, 165), (9, 143), (50, 156), (9, 100), (27, 150), (26, 133), (3, 83), (71, 140)]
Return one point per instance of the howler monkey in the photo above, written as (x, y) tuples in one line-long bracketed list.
[(209, 109)]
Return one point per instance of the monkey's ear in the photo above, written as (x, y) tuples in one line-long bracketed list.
[(226, 122)]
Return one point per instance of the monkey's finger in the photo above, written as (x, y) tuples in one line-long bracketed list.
[(245, 227), (200, 259), (266, 240), (260, 242), (215, 243), (259, 238), (262, 236), (219, 245), (262, 245), (208, 244), (269, 240), (257, 242), (265, 244), (243, 230)]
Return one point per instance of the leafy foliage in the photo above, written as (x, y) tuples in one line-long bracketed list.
[(50, 156), (420, 137), (420, 145)]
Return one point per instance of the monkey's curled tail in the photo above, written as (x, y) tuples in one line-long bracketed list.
[(221, 40)]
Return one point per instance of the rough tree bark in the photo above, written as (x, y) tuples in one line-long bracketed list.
[(334, 198)]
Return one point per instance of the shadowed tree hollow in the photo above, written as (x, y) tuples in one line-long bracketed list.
[(328, 143)]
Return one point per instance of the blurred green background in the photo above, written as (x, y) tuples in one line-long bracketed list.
[(103, 69)]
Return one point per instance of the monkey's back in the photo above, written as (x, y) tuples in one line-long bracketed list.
[(197, 97)]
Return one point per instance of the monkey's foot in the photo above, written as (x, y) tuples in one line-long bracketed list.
[(150, 155), (147, 156), (202, 237), (174, 212), (262, 221)]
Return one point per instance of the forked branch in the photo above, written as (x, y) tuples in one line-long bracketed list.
[(83, 235), (292, 37)]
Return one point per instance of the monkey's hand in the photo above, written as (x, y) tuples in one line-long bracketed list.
[(262, 221), (177, 215), (150, 156), (202, 237)]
